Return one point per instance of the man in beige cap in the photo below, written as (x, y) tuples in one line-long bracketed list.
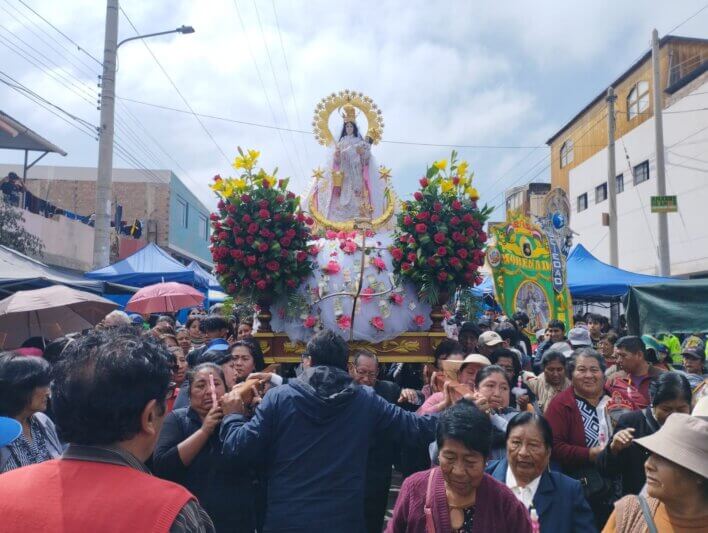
[(488, 342), (677, 481)]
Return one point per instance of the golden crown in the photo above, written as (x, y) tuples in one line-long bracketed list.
[(348, 113)]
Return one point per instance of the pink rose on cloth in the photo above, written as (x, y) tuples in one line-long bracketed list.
[(419, 320), (378, 323), (378, 263), (332, 267), (330, 234), (397, 298), (344, 322), (310, 321), (366, 294), (348, 246)]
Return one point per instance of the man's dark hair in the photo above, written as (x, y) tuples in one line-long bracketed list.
[(446, 348), (670, 386), (541, 423), (327, 348), (556, 324), (19, 376), (35, 342), (465, 423), (255, 348), (218, 357), (553, 355), (583, 352), (55, 349), (593, 317), (213, 323), (632, 344), (506, 352), (521, 318), (508, 332), (469, 328), (103, 383)]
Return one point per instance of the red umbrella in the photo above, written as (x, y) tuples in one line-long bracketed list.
[(164, 298)]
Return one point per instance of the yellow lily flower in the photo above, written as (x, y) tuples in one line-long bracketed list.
[(270, 180), (239, 184), (253, 155), (440, 165), (217, 186), (462, 169), (472, 193), (446, 186)]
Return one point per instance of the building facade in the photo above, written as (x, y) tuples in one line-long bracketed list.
[(526, 199), (579, 162), (169, 213)]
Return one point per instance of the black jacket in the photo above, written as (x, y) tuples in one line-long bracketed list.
[(628, 465), (227, 493)]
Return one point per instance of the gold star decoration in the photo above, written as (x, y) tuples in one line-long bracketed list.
[(384, 173), (318, 173)]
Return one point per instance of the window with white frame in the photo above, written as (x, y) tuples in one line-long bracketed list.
[(638, 99), (641, 172), (601, 193), (566, 153), (183, 212), (203, 227), (582, 202)]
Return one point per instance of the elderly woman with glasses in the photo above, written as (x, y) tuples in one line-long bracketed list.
[(554, 499), (188, 452), (582, 427), (24, 391), (458, 496)]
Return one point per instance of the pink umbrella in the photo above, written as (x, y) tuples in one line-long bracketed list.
[(164, 298)]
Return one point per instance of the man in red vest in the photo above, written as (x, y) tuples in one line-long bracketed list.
[(108, 397)]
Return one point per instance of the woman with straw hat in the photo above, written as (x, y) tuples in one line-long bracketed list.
[(677, 482)]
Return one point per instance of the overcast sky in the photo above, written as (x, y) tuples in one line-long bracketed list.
[(455, 72)]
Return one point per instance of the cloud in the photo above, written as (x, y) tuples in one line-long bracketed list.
[(458, 72)]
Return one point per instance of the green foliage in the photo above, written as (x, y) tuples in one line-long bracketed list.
[(13, 234), (439, 235)]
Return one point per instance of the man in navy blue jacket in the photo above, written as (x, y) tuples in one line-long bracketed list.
[(312, 437)]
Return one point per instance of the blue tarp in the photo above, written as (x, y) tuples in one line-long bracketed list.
[(148, 266), (590, 279), (206, 276)]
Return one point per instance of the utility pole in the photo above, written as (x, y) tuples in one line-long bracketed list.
[(102, 228), (663, 224), (612, 175)]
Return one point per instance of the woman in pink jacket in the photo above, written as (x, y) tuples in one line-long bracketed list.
[(457, 496)]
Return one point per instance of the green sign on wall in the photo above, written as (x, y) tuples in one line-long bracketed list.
[(664, 204)]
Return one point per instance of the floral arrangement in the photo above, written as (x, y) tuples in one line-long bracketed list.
[(259, 237), (439, 236)]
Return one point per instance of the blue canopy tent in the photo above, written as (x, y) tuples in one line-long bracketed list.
[(148, 266), (207, 276), (592, 280)]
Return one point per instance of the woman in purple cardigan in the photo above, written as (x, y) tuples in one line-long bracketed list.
[(457, 496)]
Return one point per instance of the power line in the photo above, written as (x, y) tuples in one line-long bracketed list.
[(263, 87), (79, 64), (174, 86), (689, 18), (277, 88), (290, 79), (78, 47)]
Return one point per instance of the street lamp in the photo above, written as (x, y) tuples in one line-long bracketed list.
[(102, 227)]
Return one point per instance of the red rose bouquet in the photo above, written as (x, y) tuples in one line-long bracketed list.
[(439, 237), (259, 233)]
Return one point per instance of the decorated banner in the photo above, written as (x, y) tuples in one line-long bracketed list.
[(528, 275)]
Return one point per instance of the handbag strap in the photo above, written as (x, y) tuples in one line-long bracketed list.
[(428, 509), (648, 518)]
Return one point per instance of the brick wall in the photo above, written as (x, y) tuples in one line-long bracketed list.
[(139, 200)]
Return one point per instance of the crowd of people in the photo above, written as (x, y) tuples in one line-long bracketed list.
[(145, 424)]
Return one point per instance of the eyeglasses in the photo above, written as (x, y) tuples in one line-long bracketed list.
[(370, 375)]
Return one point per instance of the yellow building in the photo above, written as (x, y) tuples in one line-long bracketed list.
[(681, 60)]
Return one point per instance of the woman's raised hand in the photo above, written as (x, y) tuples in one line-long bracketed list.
[(212, 419)]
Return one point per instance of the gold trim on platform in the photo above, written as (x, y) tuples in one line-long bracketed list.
[(350, 225)]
